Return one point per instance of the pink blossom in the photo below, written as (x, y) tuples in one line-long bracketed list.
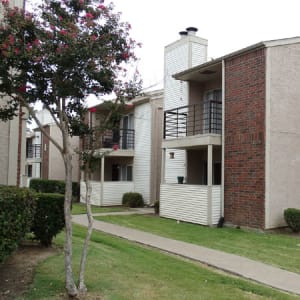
[(4, 46), (60, 18), (89, 16), (11, 39), (22, 89), (101, 6), (92, 109), (125, 55), (81, 1), (115, 147), (52, 27), (17, 51), (93, 37), (5, 2), (63, 32), (36, 42)]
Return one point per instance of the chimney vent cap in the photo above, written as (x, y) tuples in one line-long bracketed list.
[(191, 29), (183, 33)]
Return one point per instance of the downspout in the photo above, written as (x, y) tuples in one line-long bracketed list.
[(19, 159), (223, 139)]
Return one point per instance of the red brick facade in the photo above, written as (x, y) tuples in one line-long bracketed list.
[(244, 186)]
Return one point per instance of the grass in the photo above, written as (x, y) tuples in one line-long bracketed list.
[(79, 208), (275, 249), (120, 270)]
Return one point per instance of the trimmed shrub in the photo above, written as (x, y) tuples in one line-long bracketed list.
[(292, 218), (17, 206), (54, 186), (133, 200), (49, 217), (47, 186), (156, 207)]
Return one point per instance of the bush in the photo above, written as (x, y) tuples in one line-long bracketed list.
[(133, 200), (17, 206), (54, 186), (292, 218), (49, 217), (47, 186), (156, 207)]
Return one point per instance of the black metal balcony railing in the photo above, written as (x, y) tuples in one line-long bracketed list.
[(122, 138), (193, 119), (33, 151)]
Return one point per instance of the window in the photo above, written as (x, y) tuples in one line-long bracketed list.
[(29, 170), (121, 172), (126, 172), (212, 112)]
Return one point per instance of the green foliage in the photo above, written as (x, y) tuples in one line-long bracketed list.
[(53, 186), (49, 217), (47, 186), (17, 206), (156, 207), (65, 50), (133, 200), (292, 218)]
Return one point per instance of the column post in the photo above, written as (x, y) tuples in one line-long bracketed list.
[(102, 179), (209, 183)]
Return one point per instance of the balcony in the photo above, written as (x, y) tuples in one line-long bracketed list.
[(33, 151), (193, 120), (123, 138)]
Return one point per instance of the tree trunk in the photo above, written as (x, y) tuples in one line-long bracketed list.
[(81, 282), (70, 285)]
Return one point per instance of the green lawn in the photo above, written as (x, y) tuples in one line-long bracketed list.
[(79, 208), (278, 250), (120, 270)]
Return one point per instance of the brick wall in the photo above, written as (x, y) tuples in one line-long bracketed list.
[(244, 186)]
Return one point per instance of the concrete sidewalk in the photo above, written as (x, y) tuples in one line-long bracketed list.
[(244, 267)]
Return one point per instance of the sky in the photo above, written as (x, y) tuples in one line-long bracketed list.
[(228, 25)]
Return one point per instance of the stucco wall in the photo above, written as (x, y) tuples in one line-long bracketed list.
[(283, 132), (56, 165)]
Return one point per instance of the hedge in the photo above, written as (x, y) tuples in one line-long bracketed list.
[(49, 217), (132, 200), (292, 218), (53, 186), (17, 206)]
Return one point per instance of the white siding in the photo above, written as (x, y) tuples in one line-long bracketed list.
[(142, 153), (216, 203), (189, 203), (95, 195), (184, 202), (114, 190), (175, 167), (112, 194), (179, 56), (199, 54)]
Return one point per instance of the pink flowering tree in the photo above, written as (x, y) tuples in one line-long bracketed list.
[(58, 54)]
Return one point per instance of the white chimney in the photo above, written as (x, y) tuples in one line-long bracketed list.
[(183, 34), (191, 30)]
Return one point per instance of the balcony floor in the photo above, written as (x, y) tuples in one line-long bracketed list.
[(192, 141)]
